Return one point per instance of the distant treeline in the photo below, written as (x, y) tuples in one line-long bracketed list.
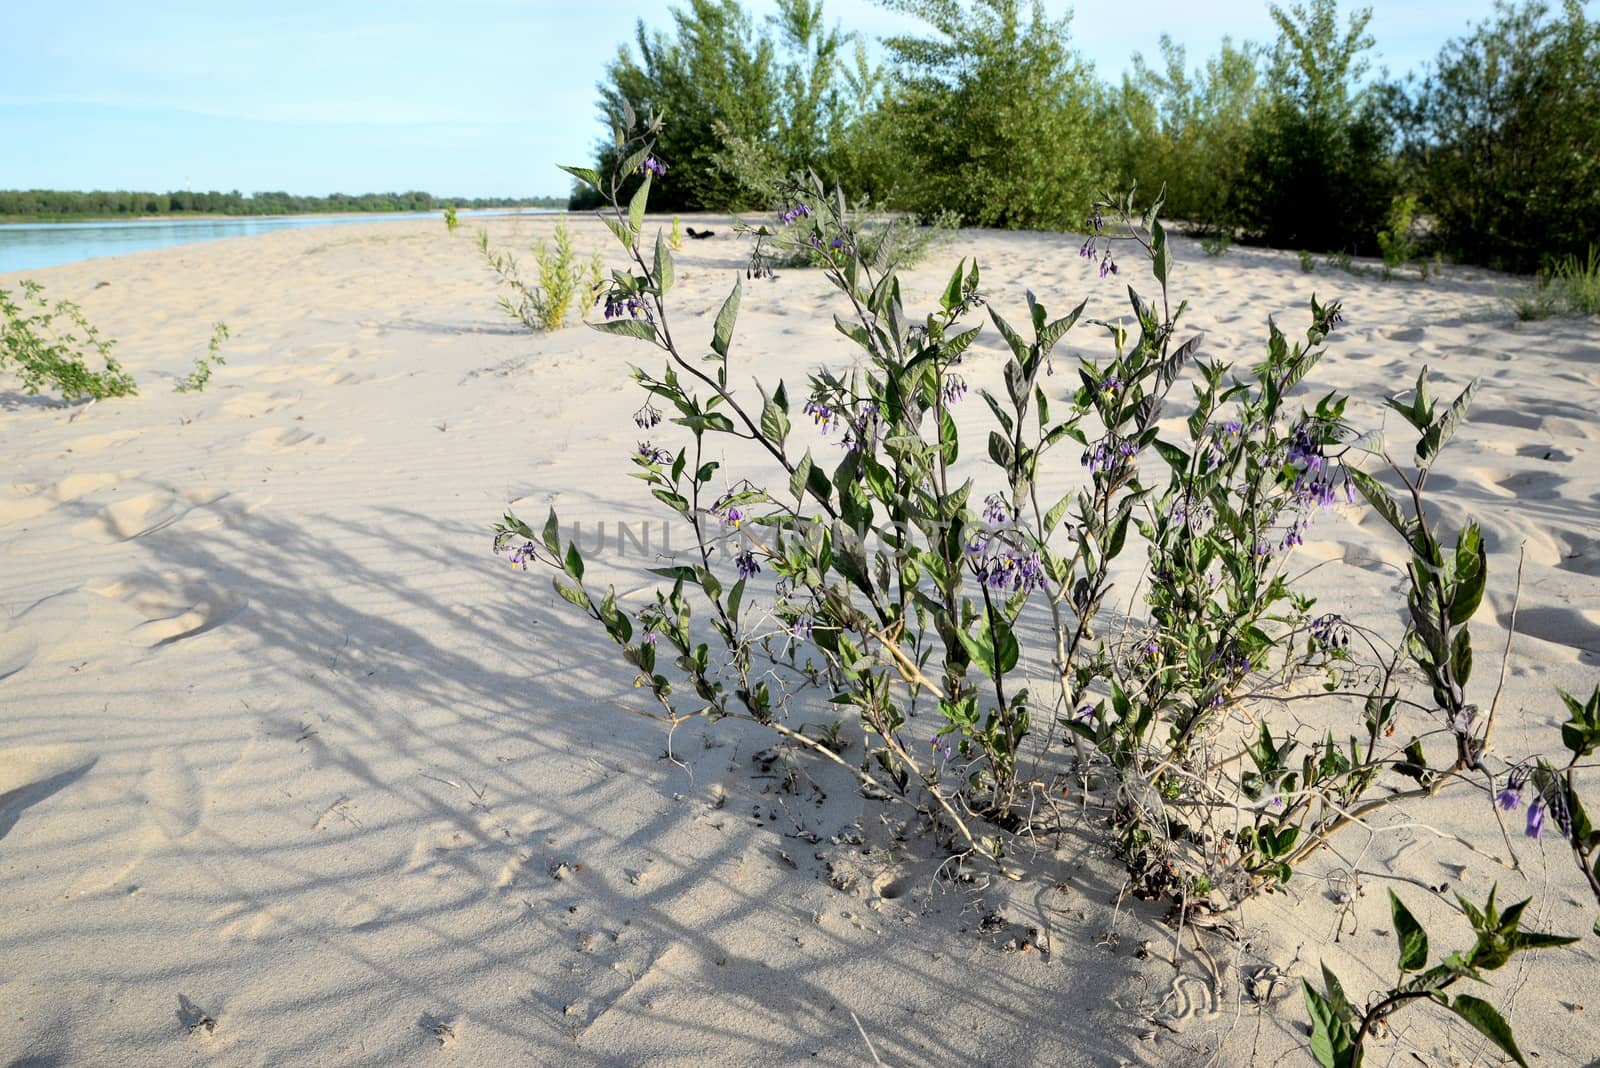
[(1493, 150), (53, 203)]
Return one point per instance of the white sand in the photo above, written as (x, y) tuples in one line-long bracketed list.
[(285, 747)]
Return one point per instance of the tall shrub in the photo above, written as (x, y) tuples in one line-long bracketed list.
[(994, 116), (1318, 170), (1505, 142), (1187, 131)]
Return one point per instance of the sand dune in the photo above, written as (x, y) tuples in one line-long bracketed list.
[(293, 771)]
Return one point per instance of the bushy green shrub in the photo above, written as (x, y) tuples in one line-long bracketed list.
[(563, 278), (1502, 139), (1317, 170), (47, 345), (891, 584), (1187, 132), (993, 115)]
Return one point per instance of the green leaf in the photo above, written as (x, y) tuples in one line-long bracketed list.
[(663, 265), (952, 291), (641, 197), (1413, 939), (1331, 1042), (1437, 435), (1382, 501), (552, 534), (572, 593), (854, 331), (574, 561), (586, 175), (1160, 259), (1487, 1019), (722, 333), (639, 328), (774, 420)]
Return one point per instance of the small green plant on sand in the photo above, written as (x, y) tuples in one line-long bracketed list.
[(1215, 244), (1395, 240), (1307, 262), (1339, 1031), (1568, 287), (562, 278), (47, 345), (675, 236), (450, 221), (204, 365)]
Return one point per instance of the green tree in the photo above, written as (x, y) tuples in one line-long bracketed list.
[(1318, 167), (1504, 141), (1187, 131), (994, 115)]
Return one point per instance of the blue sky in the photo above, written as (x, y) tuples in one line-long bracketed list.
[(474, 98)]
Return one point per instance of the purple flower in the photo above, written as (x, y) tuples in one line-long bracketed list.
[(995, 510), (940, 745), (801, 627), (746, 563), (522, 554), (824, 416), (647, 416), (1109, 385), (1508, 799), (650, 454), (1110, 454), (1536, 818), (1330, 631), (799, 211), (632, 307), (654, 166)]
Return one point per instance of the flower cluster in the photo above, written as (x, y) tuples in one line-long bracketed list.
[(997, 563), (647, 416), (1110, 454), (1317, 476), (654, 166), (822, 415), (1222, 438), (799, 211), (953, 389), (1330, 631), (520, 556), (746, 564), (1551, 801), (1091, 250), (632, 307), (651, 454)]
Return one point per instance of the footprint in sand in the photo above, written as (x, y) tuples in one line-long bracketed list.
[(173, 607), (29, 500), (282, 439)]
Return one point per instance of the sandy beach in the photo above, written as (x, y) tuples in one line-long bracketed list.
[(294, 770)]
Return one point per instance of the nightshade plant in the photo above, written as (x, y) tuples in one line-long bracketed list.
[(860, 557), (1339, 1030)]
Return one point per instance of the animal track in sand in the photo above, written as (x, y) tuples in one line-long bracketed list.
[(173, 607)]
